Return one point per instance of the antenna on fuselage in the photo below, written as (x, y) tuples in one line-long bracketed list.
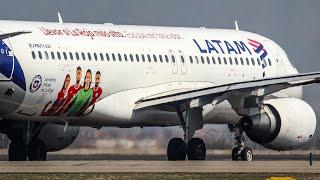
[(236, 25), (60, 19)]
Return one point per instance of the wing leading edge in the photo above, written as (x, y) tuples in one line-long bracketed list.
[(12, 34), (261, 87)]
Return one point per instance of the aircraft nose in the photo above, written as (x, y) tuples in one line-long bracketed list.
[(12, 80)]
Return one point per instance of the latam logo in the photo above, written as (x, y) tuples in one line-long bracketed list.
[(261, 51), (233, 47)]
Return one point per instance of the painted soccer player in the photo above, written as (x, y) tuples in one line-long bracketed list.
[(73, 90), (97, 92), (50, 109), (83, 97)]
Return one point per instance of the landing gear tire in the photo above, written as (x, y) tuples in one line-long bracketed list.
[(176, 150), (196, 149), (37, 151), (246, 154), (235, 154), (17, 151)]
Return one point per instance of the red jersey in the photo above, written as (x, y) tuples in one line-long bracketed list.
[(72, 91), (61, 95), (96, 95)]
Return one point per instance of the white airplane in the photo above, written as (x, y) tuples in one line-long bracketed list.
[(57, 77)]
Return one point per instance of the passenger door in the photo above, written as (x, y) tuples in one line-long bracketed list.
[(183, 62), (173, 61)]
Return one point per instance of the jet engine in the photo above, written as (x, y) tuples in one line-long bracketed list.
[(283, 124), (55, 138)]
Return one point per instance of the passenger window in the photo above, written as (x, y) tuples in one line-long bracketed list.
[(95, 56), (83, 56), (167, 58), (197, 59), (241, 60), (131, 57), (77, 56), (40, 55), (71, 55), (236, 61), (269, 62), (52, 55), (119, 57), (125, 57), (160, 58), (191, 60), (258, 61), (173, 59), (101, 57), (225, 60), (89, 56), (108, 57), (59, 55), (219, 60), (137, 57), (230, 60), (46, 55), (213, 60), (113, 57), (33, 55), (182, 59), (202, 59), (149, 58), (65, 55), (252, 61), (155, 58), (208, 60), (248, 63), (143, 58)]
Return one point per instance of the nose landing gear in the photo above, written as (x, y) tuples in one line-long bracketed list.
[(240, 152)]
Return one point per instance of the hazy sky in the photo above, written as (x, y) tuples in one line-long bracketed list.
[(294, 24)]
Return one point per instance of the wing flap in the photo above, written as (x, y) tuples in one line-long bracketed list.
[(262, 87)]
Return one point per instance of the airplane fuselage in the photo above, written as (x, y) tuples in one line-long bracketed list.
[(51, 73)]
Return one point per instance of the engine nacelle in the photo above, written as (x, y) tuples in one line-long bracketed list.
[(283, 124), (55, 138)]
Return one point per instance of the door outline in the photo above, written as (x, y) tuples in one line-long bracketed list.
[(174, 64), (183, 62)]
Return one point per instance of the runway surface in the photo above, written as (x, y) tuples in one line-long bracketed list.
[(134, 166)]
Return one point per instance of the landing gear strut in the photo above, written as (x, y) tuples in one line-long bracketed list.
[(193, 148), (25, 145), (240, 152)]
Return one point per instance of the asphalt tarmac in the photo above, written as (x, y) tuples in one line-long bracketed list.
[(139, 166)]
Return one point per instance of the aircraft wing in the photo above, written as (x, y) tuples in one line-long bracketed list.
[(203, 96), (12, 34)]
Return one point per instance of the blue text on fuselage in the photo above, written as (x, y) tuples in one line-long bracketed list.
[(222, 47)]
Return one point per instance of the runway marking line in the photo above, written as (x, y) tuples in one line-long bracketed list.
[(281, 178)]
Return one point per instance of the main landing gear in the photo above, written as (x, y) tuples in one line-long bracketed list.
[(193, 148), (240, 152)]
